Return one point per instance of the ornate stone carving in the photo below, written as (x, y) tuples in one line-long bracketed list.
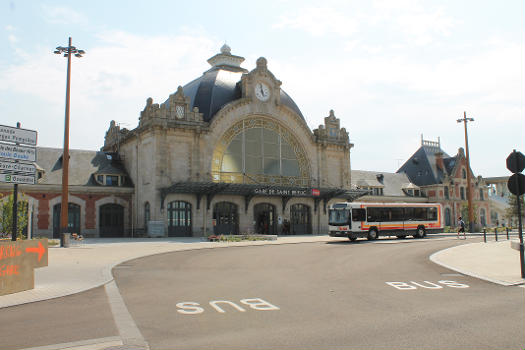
[(331, 132)]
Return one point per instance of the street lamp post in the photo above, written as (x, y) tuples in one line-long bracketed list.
[(465, 120), (67, 51)]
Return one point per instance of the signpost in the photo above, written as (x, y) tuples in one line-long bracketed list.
[(11, 156), (516, 185)]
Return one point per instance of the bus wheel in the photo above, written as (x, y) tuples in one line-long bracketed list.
[(372, 234), (420, 233)]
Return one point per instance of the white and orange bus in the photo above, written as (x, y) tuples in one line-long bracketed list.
[(371, 220)]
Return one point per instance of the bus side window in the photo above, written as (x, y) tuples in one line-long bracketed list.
[(409, 214), (358, 215)]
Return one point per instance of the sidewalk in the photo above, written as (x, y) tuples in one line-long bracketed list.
[(88, 264), (495, 262)]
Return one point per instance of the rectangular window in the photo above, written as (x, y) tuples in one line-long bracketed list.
[(100, 178), (397, 214), (432, 214), (446, 193), (358, 215), (111, 180), (462, 193)]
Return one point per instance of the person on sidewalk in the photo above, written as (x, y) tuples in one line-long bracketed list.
[(461, 227)]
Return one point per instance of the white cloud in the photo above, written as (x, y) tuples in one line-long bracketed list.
[(63, 15), (417, 24), (390, 99), (319, 21), (112, 81)]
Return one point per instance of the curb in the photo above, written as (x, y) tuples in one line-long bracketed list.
[(434, 258)]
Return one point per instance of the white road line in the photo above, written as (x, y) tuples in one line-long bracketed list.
[(128, 330), (90, 344)]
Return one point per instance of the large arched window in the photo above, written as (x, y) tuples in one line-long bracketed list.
[(258, 150)]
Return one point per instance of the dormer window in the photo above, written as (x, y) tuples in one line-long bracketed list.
[(110, 180)]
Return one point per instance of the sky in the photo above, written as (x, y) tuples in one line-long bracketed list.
[(392, 70)]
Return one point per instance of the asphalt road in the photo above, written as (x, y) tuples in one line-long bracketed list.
[(382, 294), (73, 318)]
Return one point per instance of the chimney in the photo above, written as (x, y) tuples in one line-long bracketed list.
[(439, 161)]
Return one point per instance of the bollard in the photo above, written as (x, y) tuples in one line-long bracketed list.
[(485, 235), (64, 240), (507, 233), (496, 233)]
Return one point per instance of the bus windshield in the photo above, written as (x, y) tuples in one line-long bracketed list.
[(339, 217)]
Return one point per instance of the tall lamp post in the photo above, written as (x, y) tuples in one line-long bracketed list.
[(465, 120), (67, 51)]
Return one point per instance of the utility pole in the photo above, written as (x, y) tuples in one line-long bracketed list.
[(67, 51), (465, 120)]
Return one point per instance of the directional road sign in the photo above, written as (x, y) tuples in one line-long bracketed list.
[(17, 152), (7, 167), (17, 179), (16, 135)]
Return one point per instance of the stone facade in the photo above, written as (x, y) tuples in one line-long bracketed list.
[(177, 147)]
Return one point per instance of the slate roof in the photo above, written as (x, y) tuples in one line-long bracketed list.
[(219, 86), (422, 169), (83, 165), (392, 183)]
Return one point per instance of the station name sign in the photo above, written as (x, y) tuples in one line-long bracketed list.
[(283, 192)]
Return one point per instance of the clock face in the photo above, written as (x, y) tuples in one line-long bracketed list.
[(262, 91)]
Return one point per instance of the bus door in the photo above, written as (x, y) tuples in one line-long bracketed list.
[(358, 217)]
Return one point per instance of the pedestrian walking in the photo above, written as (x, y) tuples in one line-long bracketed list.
[(461, 227)]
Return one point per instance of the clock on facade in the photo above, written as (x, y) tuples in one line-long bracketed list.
[(262, 91)]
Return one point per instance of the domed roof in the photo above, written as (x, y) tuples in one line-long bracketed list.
[(221, 85)]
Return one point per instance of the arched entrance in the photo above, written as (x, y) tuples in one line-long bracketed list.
[(264, 217), (300, 220), (179, 219), (226, 218), (73, 219), (111, 220)]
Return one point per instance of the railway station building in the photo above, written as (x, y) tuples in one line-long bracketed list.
[(229, 152)]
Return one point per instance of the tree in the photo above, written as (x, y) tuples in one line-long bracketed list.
[(6, 218), (512, 211), (464, 213)]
